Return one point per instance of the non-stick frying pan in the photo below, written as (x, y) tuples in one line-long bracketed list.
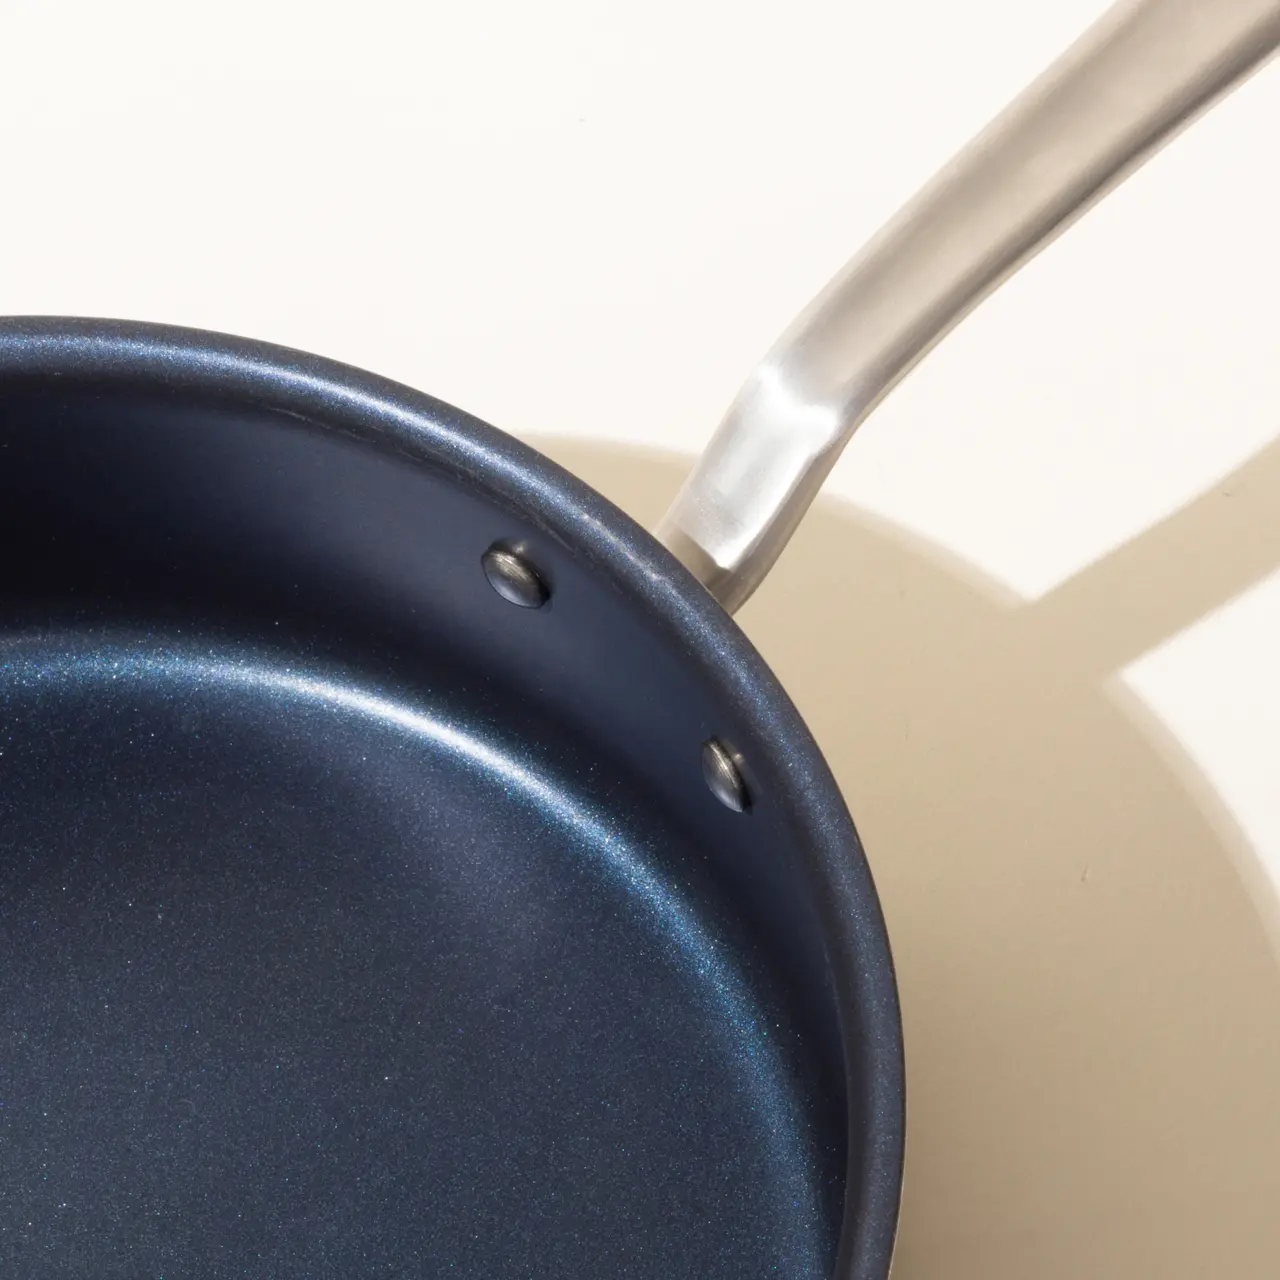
[(409, 868)]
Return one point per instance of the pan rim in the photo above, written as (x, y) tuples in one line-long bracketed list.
[(330, 395)]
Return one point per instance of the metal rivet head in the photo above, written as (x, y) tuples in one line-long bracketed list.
[(722, 768), (514, 578)]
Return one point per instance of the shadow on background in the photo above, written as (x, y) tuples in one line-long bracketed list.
[(1091, 998)]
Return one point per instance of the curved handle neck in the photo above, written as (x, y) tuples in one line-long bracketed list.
[(1122, 91)]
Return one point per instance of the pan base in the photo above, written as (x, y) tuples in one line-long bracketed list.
[(303, 978)]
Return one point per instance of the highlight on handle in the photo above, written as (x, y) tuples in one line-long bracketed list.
[(1131, 83)]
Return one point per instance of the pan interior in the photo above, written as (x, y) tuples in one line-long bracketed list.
[(305, 975)]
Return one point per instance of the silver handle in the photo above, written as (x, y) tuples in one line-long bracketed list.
[(1127, 86)]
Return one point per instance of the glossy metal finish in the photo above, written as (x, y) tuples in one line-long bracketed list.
[(722, 768), (514, 578), (353, 921), (1126, 87)]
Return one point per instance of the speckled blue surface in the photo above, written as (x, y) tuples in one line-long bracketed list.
[(355, 922), (345, 988)]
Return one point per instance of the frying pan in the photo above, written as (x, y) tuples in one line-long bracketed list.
[(410, 869)]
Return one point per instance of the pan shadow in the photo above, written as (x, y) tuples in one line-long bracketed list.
[(1085, 942)]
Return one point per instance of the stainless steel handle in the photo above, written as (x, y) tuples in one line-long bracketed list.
[(1127, 86)]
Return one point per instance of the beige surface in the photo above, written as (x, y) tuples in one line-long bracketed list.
[(592, 219), (1090, 997)]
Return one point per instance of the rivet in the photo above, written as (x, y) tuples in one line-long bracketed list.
[(513, 577), (722, 768)]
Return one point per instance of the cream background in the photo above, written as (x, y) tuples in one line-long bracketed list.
[(1035, 623)]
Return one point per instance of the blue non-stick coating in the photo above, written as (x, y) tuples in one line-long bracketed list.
[(355, 921)]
